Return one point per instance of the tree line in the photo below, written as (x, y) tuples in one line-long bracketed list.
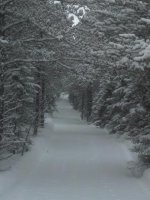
[(110, 87), (32, 45)]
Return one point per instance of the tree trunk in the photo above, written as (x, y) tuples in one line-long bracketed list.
[(1, 108), (42, 103), (82, 105), (37, 104), (2, 23), (89, 100)]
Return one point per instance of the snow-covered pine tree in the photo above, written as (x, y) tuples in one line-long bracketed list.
[(118, 51), (28, 42)]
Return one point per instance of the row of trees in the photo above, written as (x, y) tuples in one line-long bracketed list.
[(32, 45), (111, 84)]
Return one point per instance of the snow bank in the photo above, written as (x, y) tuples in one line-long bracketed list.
[(15, 169), (135, 168), (146, 176)]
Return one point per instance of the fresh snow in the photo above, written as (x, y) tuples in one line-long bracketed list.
[(127, 35), (74, 19), (145, 54), (71, 160), (146, 20), (57, 2), (117, 46), (3, 41)]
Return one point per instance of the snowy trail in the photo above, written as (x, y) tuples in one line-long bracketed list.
[(74, 161)]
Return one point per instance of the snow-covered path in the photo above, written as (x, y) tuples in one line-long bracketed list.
[(74, 161)]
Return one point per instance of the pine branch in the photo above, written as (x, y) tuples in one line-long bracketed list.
[(4, 4), (64, 65), (38, 40), (5, 28), (27, 61), (44, 30)]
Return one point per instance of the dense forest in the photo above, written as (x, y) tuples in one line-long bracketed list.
[(102, 62)]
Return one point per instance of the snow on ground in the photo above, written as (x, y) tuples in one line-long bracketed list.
[(71, 160)]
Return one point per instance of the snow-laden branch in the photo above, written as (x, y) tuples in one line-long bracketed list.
[(3, 41), (40, 61), (9, 110), (74, 59), (64, 65), (26, 61), (147, 21), (39, 40)]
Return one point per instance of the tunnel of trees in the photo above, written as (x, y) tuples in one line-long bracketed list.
[(103, 63)]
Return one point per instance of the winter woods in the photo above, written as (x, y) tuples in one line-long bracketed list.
[(102, 60)]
